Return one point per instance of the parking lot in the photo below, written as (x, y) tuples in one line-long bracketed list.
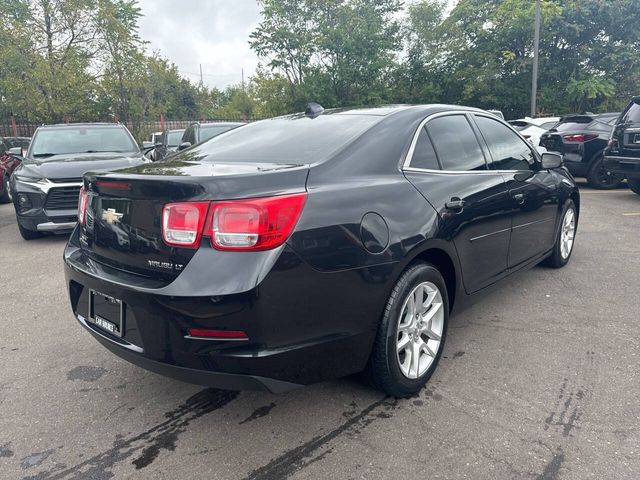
[(538, 381)]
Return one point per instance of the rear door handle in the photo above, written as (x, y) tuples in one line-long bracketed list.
[(455, 204), (519, 197)]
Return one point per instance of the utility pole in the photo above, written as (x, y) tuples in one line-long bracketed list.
[(536, 48), (201, 82)]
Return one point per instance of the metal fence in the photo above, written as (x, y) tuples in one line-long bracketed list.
[(140, 129)]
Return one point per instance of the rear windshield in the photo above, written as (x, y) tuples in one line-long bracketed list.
[(210, 131), (174, 137), (293, 140), (65, 140), (17, 142), (573, 123), (633, 114), (519, 124)]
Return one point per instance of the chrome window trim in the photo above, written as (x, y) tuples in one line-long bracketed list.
[(406, 166)]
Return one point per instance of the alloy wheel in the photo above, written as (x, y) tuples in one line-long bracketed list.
[(567, 233), (420, 328)]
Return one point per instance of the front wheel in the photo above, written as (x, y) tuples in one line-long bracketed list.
[(601, 178), (6, 192), (634, 185), (412, 332), (563, 247)]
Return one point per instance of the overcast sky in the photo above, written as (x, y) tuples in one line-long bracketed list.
[(213, 33)]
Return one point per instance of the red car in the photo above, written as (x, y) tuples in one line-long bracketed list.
[(9, 162)]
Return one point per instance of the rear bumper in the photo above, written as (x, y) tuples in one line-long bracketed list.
[(296, 336), (226, 381)]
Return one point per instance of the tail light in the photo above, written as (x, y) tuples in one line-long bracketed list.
[(182, 223), (254, 224), (248, 224), (82, 205), (580, 138)]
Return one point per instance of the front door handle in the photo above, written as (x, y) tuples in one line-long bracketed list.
[(519, 198), (455, 204)]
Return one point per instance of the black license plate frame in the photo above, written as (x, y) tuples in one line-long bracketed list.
[(107, 313)]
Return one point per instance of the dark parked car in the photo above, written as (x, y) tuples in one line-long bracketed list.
[(582, 140), (310, 247), (166, 144), (622, 156), (46, 184), (198, 132), (12, 149)]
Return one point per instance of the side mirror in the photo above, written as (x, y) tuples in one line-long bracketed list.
[(184, 145), (147, 145), (551, 160), (16, 151)]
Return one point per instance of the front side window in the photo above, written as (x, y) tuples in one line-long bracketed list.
[(424, 156), (456, 144), (509, 152), (66, 140)]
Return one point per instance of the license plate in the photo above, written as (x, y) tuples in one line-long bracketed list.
[(106, 312)]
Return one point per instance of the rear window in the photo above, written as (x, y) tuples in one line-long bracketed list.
[(573, 123), (18, 142), (519, 124), (65, 140), (456, 144), (174, 138), (633, 114), (210, 131), (292, 140)]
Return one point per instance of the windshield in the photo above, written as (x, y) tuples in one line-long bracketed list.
[(66, 140), (288, 140), (174, 137), (207, 132)]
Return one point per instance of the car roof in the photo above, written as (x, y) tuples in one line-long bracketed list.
[(222, 124), (387, 110), (86, 124)]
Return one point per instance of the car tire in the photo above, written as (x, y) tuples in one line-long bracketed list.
[(634, 185), (6, 196), (29, 234), (562, 250), (598, 177), (391, 367)]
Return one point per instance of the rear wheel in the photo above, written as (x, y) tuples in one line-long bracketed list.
[(6, 192), (28, 234), (601, 178), (412, 332), (634, 185), (563, 247)]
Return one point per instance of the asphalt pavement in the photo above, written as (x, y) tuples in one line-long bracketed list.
[(540, 380)]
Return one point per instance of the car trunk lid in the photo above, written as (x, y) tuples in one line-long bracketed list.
[(123, 222)]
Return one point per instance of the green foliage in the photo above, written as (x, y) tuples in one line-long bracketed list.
[(85, 59)]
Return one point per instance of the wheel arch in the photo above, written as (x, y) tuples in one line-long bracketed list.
[(443, 259)]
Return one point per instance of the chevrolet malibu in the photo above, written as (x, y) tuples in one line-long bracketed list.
[(313, 246)]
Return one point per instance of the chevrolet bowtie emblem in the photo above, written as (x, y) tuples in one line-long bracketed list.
[(111, 216)]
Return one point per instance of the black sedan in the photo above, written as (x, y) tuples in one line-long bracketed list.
[(313, 246), (46, 184)]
